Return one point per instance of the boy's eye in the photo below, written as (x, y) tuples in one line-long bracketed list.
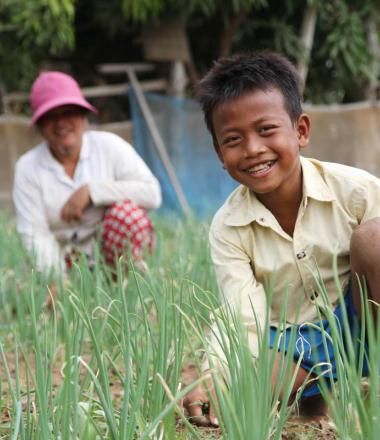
[(266, 128), (231, 140)]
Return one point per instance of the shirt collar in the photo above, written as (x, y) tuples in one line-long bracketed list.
[(49, 161), (244, 207), (314, 185)]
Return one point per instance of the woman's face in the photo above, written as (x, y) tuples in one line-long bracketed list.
[(63, 128)]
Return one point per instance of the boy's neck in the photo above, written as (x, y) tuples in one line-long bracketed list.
[(284, 207)]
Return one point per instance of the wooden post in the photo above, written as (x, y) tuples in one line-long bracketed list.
[(157, 140), (178, 78), (373, 43), (307, 37)]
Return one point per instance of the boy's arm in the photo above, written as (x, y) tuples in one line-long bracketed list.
[(201, 403), (242, 294), (239, 290)]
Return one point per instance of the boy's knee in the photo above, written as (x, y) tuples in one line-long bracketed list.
[(366, 233), (365, 242)]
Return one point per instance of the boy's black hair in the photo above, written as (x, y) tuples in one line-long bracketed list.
[(234, 76)]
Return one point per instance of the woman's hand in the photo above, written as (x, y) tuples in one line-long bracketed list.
[(74, 207), (198, 404)]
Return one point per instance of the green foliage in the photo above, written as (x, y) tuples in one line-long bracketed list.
[(354, 402), (46, 24), (346, 37), (341, 60), (143, 10), (341, 63), (286, 40), (105, 361), (98, 333), (38, 29)]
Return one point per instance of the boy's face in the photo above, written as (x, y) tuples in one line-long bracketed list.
[(259, 145)]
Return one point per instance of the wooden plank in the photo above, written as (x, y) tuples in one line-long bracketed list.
[(122, 67), (121, 89), (98, 91)]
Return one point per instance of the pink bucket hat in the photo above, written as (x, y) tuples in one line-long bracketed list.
[(53, 89)]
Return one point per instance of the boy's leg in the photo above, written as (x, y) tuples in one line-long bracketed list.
[(314, 406), (310, 406), (276, 374), (365, 259)]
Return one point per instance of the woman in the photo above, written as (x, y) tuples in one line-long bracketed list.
[(77, 182)]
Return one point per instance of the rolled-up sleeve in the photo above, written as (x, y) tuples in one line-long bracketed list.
[(366, 200)]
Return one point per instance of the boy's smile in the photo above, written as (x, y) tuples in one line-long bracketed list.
[(259, 144)]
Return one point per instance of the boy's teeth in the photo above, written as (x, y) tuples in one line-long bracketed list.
[(260, 167)]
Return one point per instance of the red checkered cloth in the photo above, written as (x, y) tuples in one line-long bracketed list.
[(128, 231)]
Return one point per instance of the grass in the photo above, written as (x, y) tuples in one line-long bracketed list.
[(105, 361)]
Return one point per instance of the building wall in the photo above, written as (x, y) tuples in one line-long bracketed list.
[(348, 134)]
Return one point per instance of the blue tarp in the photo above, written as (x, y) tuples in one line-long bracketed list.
[(189, 145)]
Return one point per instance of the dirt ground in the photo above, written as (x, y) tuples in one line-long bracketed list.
[(297, 428)]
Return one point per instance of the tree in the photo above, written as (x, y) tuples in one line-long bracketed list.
[(343, 61), (332, 50), (230, 14), (334, 43), (30, 32), (309, 22)]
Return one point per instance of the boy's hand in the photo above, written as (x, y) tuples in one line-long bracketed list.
[(198, 405), (74, 207)]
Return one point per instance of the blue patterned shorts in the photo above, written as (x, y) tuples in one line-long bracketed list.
[(317, 349)]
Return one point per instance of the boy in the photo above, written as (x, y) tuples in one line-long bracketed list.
[(289, 216)]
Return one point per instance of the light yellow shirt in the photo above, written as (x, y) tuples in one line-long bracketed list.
[(250, 250)]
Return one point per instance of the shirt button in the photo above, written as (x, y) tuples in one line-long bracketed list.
[(262, 219), (314, 295), (301, 255)]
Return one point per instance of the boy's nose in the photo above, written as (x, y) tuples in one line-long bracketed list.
[(254, 146)]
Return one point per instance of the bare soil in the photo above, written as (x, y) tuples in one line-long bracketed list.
[(297, 428)]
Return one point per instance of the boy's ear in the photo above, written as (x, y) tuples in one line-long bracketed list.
[(303, 130)]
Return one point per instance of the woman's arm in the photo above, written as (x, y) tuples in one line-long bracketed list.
[(32, 223), (132, 178)]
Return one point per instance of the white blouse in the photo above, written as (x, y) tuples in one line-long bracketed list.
[(112, 169)]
